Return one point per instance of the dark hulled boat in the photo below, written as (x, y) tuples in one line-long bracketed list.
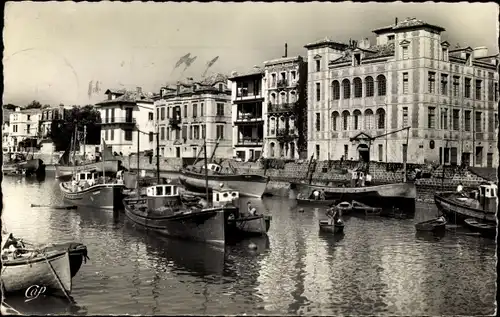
[(367, 210), (328, 227), (480, 204), (432, 225), (32, 167), (486, 229), (246, 184)]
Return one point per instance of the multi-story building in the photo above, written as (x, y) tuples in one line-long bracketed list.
[(127, 120), (7, 145), (192, 112), (409, 78), (247, 114), (24, 124), (48, 115), (285, 116)]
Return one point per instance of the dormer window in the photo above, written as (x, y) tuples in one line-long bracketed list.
[(221, 87), (357, 59), (390, 38), (468, 60), (445, 53)]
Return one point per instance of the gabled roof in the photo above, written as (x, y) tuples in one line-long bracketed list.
[(129, 97), (326, 42), (408, 23), (445, 44), (362, 136), (404, 42), (115, 91), (376, 51)]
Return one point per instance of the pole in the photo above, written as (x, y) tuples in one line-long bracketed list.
[(473, 123), (444, 161), (406, 156), (84, 142), (206, 167), (158, 154), (102, 160), (138, 138)]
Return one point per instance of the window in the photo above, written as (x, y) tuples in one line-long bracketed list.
[(157, 113), (467, 120), (456, 119), (444, 119), (151, 136), (356, 114), (112, 134), (381, 87), (357, 59), (202, 110), (162, 113), (431, 117), (196, 132), (150, 116), (346, 151), (221, 87), (432, 82), (28, 117), (358, 88), (444, 84), (405, 83), (496, 121), (220, 132), (168, 111), (203, 131), (318, 65), (456, 85), (478, 126), (405, 117), (478, 89), (444, 53), (293, 75), (317, 151), (28, 128), (346, 87), (318, 122), (335, 116), (185, 111), (369, 120), (273, 80), (162, 133), (390, 38), (369, 86), (479, 155), (195, 110), (467, 88), (190, 132), (220, 109), (345, 120), (336, 90), (128, 135), (405, 52), (318, 91), (496, 92), (468, 59), (106, 135), (380, 152), (380, 118)]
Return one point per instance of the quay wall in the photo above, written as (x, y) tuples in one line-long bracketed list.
[(281, 173)]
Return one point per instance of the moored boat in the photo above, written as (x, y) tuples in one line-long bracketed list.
[(367, 210), (315, 202), (89, 190), (480, 204), (66, 171), (486, 229), (32, 167), (434, 225), (246, 184), (329, 226), (344, 207)]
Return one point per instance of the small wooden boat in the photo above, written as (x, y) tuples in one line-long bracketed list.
[(458, 207), (367, 210), (344, 207), (318, 202), (486, 229), (249, 225), (434, 225), (327, 226), (89, 190)]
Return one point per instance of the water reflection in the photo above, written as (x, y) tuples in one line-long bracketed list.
[(45, 305)]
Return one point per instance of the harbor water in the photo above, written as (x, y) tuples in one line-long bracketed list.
[(379, 267)]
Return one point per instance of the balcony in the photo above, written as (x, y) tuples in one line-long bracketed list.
[(281, 108), (283, 83), (246, 94), (119, 120), (248, 117), (286, 135), (249, 141), (175, 123)]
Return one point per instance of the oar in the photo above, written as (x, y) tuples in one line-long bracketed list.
[(55, 206)]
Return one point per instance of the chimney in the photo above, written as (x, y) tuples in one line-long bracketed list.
[(396, 21), (286, 50), (139, 90)]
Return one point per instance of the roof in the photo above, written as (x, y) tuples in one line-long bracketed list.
[(283, 60), (129, 96), (213, 79), (488, 173), (326, 42), (408, 23), (375, 51), (116, 91), (253, 72)]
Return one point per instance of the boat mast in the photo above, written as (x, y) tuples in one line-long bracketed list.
[(206, 169), (74, 147), (84, 142), (158, 154), (138, 148), (215, 148), (102, 159)]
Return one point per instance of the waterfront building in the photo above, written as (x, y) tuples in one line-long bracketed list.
[(285, 113), (409, 78), (23, 124), (48, 115), (191, 112), (127, 120), (248, 114)]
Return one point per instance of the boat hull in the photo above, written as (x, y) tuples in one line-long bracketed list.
[(324, 226), (103, 196), (315, 202), (32, 167), (457, 212), (66, 171), (431, 226), (487, 230), (247, 185), (18, 275), (249, 226), (204, 226), (77, 254)]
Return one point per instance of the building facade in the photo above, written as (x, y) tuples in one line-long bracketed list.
[(127, 121), (285, 110), (192, 112), (248, 114), (23, 124), (48, 115), (409, 78)]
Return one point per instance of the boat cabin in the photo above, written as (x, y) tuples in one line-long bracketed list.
[(222, 196), (86, 176), (488, 194), (212, 167), (162, 191)]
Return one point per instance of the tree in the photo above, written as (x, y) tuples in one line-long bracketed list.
[(10, 106), (34, 105), (61, 131)]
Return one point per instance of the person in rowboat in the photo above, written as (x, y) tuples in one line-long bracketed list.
[(441, 219), (316, 195), (251, 210)]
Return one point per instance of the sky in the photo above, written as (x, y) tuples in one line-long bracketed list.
[(53, 50)]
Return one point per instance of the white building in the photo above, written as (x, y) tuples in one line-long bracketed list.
[(247, 115), (23, 124), (127, 120)]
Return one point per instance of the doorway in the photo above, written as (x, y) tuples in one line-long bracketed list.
[(364, 153)]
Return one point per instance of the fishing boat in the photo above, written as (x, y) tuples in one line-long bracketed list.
[(486, 229), (22, 269), (24, 167), (367, 210), (78, 253), (90, 189), (480, 204), (315, 202), (344, 207), (328, 226), (434, 225)]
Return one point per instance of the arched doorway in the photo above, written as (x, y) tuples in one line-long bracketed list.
[(364, 153)]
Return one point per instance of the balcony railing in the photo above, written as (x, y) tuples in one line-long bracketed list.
[(286, 134), (284, 107), (245, 93), (250, 141), (248, 116), (119, 120), (282, 83), (175, 122)]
